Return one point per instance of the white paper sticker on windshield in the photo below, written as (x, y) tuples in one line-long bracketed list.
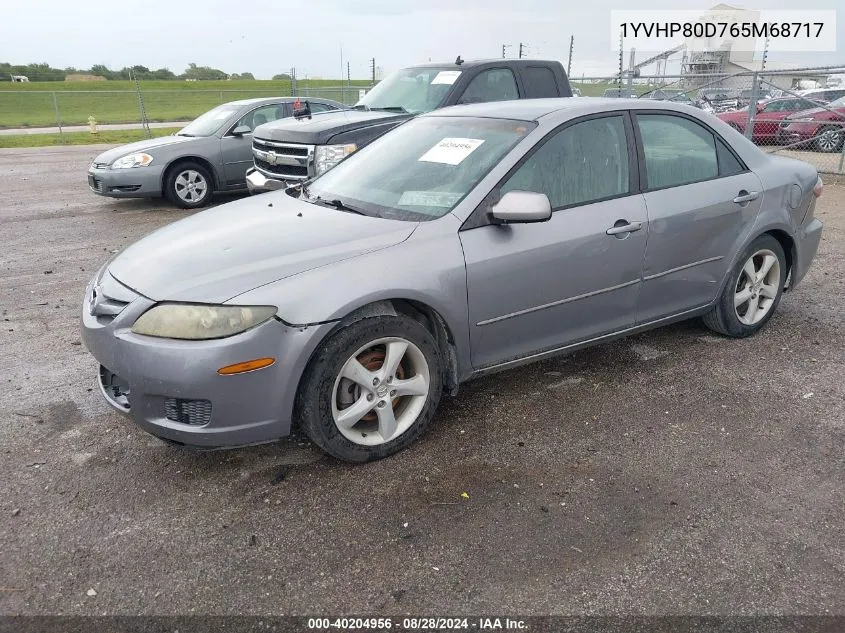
[(451, 151), (428, 199), (447, 77)]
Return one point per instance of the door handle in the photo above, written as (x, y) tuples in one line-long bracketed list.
[(623, 226), (746, 196)]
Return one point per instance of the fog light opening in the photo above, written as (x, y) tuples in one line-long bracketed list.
[(249, 365)]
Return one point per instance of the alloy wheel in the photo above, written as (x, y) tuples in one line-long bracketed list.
[(191, 186), (380, 391), (757, 287)]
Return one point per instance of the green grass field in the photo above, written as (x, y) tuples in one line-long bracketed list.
[(80, 138), (34, 104)]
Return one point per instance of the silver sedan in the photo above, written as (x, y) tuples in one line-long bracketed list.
[(466, 241), (210, 154)]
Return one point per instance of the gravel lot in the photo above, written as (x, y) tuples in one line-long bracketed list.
[(674, 472)]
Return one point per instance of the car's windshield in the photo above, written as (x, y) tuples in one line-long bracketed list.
[(413, 90), (421, 170), (208, 123)]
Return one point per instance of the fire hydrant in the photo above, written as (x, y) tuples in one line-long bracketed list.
[(92, 125)]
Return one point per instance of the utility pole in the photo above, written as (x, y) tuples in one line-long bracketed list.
[(571, 47), (373, 67), (521, 45), (293, 82), (505, 46)]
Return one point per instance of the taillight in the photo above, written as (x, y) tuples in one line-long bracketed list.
[(819, 188)]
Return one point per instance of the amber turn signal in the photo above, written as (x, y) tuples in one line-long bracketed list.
[(250, 365)]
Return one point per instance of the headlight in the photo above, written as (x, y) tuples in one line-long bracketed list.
[(200, 322), (327, 156), (133, 160)]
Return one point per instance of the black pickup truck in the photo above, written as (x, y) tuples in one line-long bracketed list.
[(291, 150)]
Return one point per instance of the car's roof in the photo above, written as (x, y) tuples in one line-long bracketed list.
[(535, 109), (469, 63), (257, 100)]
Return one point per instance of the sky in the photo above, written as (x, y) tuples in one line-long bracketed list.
[(267, 37)]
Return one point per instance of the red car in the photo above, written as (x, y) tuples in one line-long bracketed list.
[(822, 128), (770, 113)]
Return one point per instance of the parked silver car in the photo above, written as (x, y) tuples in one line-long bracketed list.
[(210, 154), (466, 241)]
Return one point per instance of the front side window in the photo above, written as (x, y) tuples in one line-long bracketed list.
[(677, 151), (497, 84), (412, 90), (582, 163), (262, 115), (422, 169)]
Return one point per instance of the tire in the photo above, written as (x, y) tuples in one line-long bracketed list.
[(182, 185), (732, 315), (829, 139), (325, 393)]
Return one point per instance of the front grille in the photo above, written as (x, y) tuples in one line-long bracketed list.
[(108, 298), (114, 388), (193, 412), (287, 161), (95, 184)]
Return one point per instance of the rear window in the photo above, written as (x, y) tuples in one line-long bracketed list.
[(540, 82)]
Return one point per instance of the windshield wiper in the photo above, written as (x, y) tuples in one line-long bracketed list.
[(360, 106), (392, 109), (185, 134), (335, 203)]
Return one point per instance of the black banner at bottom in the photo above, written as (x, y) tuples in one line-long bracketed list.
[(421, 624)]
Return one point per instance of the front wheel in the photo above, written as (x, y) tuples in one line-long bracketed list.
[(753, 291), (188, 185), (372, 389)]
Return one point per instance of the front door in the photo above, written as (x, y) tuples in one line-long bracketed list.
[(538, 287), (236, 151)]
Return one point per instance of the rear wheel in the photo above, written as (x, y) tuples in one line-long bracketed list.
[(188, 185), (372, 389), (829, 139), (753, 291)]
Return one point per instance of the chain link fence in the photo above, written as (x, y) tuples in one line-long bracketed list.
[(798, 113), (69, 109)]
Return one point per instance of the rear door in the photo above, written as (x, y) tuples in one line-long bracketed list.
[(702, 202)]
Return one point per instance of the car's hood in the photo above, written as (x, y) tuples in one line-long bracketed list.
[(108, 157), (320, 128), (215, 255), (814, 111)]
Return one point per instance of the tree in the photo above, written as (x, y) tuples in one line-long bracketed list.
[(281, 77), (203, 73), (249, 76)]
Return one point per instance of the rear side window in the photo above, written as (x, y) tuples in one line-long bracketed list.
[(539, 82), (729, 165), (677, 151)]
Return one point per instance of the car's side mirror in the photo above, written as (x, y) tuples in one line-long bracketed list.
[(518, 207), (241, 130)]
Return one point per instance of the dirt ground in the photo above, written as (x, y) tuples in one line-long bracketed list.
[(675, 472)]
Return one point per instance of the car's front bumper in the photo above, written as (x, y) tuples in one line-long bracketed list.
[(137, 182), (257, 182), (172, 388)]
